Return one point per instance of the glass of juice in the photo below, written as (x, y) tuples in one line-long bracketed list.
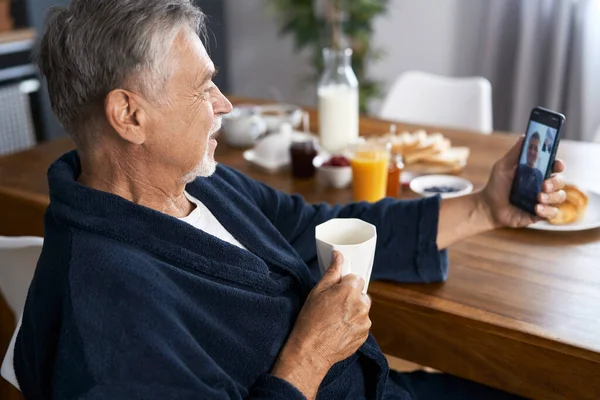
[(370, 161)]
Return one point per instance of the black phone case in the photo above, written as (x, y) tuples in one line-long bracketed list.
[(550, 161)]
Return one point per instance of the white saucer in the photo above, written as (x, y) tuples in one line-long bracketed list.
[(265, 165), (591, 220), (420, 185)]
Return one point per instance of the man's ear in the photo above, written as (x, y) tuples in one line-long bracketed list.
[(124, 113)]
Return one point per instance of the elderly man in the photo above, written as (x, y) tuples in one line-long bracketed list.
[(165, 276)]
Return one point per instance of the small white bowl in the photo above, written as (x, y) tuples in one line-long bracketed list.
[(421, 184), (337, 177)]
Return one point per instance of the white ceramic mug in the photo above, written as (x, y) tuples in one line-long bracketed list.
[(355, 239)]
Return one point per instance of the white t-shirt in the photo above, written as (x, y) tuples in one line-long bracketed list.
[(203, 219)]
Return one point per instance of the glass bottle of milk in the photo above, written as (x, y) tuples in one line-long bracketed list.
[(338, 101)]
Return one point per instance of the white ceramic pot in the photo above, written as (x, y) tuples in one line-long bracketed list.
[(242, 127)]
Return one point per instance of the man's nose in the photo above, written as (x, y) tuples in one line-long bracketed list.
[(223, 105)]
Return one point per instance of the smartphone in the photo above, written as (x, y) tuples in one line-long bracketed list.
[(537, 157)]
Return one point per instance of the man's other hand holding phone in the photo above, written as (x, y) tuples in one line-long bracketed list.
[(502, 213), (490, 208)]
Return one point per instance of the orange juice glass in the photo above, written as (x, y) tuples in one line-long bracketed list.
[(369, 161)]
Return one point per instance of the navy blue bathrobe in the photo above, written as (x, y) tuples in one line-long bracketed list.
[(130, 303)]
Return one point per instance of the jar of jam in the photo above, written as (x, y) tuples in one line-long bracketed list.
[(394, 172), (303, 150)]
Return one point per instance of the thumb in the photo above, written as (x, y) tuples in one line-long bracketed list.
[(511, 158), (334, 274)]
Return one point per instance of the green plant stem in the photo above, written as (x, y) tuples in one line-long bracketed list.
[(342, 22)]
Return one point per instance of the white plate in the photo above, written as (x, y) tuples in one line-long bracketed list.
[(265, 165), (419, 184), (591, 220)]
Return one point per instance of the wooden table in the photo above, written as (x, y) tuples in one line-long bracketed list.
[(520, 310)]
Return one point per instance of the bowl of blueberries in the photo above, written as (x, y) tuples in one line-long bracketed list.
[(445, 185)]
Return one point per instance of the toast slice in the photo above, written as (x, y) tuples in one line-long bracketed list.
[(451, 157), (434, 144), (421, 168), (406, 141)]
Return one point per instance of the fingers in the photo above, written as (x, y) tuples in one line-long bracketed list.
[(551, 195), (366, 299), (334, 274), (559, 166), (554, 184), (364, 328), (357, 283), (552, 198), (354, 281), (512, 157), (546, 211), (361, 333)]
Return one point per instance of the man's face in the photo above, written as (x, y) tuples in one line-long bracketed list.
[(533, 149), (183, 126)]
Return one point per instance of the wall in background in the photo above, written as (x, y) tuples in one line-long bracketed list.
[(439, 36), (217, 37), (36, 15), (262, 64)]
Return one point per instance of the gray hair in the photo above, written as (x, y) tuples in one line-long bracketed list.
[(92, 47)]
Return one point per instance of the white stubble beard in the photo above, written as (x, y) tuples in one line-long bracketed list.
[(207, 165)]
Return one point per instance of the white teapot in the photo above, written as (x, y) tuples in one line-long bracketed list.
[(243, 126)]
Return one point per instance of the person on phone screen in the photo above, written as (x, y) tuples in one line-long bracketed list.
[(547, 147), (530, 177)]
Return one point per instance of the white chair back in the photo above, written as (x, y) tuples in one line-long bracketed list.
[(18, 258), (8, 367), (422, 98)]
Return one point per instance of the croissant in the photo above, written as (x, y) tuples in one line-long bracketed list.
[(573, 209)]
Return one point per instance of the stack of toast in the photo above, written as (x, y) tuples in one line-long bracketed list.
[(573, 209), (429, 153)]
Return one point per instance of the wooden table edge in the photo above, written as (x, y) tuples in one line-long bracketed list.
[(499, 324)]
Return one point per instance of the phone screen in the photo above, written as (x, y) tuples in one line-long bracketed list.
[(535, 161)]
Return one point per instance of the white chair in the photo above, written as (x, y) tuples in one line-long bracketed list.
[(422, 98), (597, 138), (19, 256)]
